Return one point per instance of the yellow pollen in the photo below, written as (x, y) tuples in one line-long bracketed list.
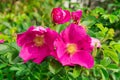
[(71, 48), (39, 40)]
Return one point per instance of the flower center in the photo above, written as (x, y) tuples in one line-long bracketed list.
[(39, 40), (71, 48)]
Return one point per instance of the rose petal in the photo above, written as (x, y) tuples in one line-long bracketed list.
[(76, 15), (65, 60), (1, 41), (31, 52), (60, 46), (83, 58), (73, 33)]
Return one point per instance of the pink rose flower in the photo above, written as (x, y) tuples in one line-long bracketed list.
[(1, 41), (73, 47), (60, 16), (95, 42), (76, 15), (36, 43)]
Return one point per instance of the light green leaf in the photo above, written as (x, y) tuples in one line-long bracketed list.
[(106, 61), (102, 28), (113, 18), (54, 66), (112, 54), (76, 71)]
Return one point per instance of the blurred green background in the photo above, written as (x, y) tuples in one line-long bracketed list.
[(101, 18)]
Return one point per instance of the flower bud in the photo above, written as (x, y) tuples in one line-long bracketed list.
[(76, 15), (60, 16)]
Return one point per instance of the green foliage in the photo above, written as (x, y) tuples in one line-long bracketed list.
[(17, 16)]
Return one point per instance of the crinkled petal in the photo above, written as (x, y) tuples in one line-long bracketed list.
[(31, 52), (83, 58), (50, 36), (40, 29), (24, 38), (29, 35), (73, 33)]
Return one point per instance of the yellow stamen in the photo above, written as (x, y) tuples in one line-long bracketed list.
[(71, 48), (39, 40)]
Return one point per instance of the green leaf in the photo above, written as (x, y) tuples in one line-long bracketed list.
[(106, 61), (117, 75), (96, 72), (76, 71), (98, 10), (54, 66), (102, 28), (1, 75), (91, 33), (7, 24), (113, 67), (59, 28), (20, 69), (112, 54), (110, 34), (13, 68), (88, 23), (114, 77), (3, 65), (3, 47), (115, 45), (57, 77), (84, 78), (113, 18), (104, 74)]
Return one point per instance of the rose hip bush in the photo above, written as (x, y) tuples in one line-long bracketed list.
[(40, 41)]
